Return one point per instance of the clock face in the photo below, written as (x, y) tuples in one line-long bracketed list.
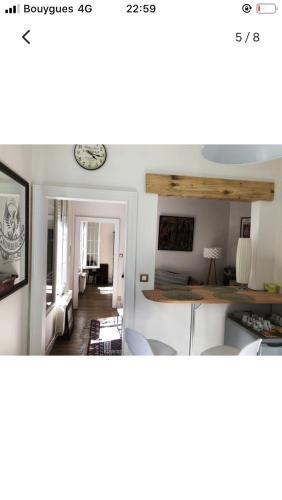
[(90, 156)]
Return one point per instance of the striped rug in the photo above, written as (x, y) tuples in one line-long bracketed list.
[(97, 346)]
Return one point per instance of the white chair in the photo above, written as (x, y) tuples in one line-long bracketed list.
[(140, 346), (251, 349)]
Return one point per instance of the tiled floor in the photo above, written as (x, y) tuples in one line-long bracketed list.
[(95, 303)]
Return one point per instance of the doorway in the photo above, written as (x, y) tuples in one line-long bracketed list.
[(41, 194), (97, 260)]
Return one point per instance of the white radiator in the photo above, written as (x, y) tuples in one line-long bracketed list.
[(60, 313)]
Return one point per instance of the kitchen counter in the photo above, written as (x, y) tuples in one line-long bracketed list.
[(178, 294)]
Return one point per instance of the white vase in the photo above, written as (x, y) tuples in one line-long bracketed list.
[(243, 260)]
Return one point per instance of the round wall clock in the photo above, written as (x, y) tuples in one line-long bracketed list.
[(90, 156)]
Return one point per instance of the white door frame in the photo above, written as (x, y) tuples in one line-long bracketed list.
[(40, 195), (77, 226)]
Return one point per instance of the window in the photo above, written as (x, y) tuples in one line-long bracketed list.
[(89, 245), (51, 252), (62, 247), (57, 251)]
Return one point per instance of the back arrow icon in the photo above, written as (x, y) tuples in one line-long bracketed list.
[(24, 37)]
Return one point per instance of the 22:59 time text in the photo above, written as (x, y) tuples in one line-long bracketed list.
[(141, 9)]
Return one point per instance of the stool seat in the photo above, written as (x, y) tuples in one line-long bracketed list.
[(161, 349), (252, 349), (139, 345), (221, 350)]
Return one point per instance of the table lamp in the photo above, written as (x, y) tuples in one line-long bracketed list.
[(212, 254), (243, 261)]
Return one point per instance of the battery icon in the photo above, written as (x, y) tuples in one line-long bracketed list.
[(266, 8)]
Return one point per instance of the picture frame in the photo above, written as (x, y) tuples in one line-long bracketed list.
[(176, 233), (14, 231), (245, 227)]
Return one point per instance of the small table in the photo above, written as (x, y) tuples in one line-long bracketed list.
[(198, 295)]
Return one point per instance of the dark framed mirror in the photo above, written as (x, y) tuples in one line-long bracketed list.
[(14, 231)]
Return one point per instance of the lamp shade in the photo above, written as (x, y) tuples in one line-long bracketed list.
[(212, 253), (243, 260), (241, 153)]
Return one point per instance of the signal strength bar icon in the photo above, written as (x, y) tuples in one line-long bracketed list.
[(13, 10)]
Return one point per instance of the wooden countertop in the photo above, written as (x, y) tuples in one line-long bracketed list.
[(178, 294)]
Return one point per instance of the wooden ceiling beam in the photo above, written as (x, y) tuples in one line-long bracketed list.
[(208, 188)]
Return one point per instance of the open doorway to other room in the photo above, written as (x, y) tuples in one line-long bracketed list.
[(85, 277)]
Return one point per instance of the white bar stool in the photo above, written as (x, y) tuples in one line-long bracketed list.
[(251, 349), (140, 346)]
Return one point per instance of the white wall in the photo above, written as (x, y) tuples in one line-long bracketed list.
[(125, 169), (210, 230), (266, 221), (237, 210), (278, 235), (107, 248), (14, 309)]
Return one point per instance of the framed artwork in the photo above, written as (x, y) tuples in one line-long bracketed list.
[(14, 231), (176, 233), (245, 228)]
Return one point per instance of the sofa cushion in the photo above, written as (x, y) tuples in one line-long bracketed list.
[(164, 277)]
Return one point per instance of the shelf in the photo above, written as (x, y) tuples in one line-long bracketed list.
[(177, 294)]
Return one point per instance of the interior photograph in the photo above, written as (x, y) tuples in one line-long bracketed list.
[(116, 250)]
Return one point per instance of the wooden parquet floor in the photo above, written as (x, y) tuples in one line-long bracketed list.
[(95, 303)]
